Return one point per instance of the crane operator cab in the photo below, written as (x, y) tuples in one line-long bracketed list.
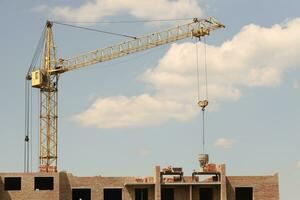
[(39, 79)]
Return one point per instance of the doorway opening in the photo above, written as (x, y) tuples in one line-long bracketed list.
[(81, 194), (141, 194), (167, 194), (206, 193), (244, 193), (113, 193)]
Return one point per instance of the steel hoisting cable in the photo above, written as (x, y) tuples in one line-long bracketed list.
[(28, 105), (202, 103), (128, 21), (25, 136), (96, 30), (28, 125), (206, 90), (198, 78), (198, 90), (205, 71), (39, 124), (203, 130), (31, 135), (205, 68)]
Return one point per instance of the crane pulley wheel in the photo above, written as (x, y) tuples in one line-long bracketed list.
[(203, 104)]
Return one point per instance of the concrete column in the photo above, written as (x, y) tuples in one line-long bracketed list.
[(157, 181), (191, 192), (222, 170)]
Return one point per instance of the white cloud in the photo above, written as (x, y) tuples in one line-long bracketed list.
[(295, 84), (255, 57), (98, 9), (143, 110), (298, 164), (144, 152), (40, 8), (224, 143)]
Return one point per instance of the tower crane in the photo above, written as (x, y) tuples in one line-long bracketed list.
[(45, 76)]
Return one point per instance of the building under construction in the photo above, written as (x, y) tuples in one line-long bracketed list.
[(169, 183), (208, 183)]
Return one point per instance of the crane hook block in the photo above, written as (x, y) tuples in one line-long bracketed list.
[(203, 104)]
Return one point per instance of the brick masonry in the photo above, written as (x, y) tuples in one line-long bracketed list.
[(264, 187)]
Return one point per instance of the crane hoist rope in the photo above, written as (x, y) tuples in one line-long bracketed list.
[(45, 75), (28, 149), (203, 103)]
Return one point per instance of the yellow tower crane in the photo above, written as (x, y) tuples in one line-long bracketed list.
[(45, 77)]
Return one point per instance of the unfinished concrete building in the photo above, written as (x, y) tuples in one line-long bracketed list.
[(166, 184)]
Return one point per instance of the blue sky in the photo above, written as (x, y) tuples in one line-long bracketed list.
[(253, 66)]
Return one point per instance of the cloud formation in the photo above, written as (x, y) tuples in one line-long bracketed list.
[(98, 9), (295, 84), (254, 57), (137, 111), (144, 152), (224, 143)]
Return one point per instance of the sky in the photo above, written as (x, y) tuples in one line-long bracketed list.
[(122, 117)]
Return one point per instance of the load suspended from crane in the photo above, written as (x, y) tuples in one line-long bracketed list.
[(45, 76)]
